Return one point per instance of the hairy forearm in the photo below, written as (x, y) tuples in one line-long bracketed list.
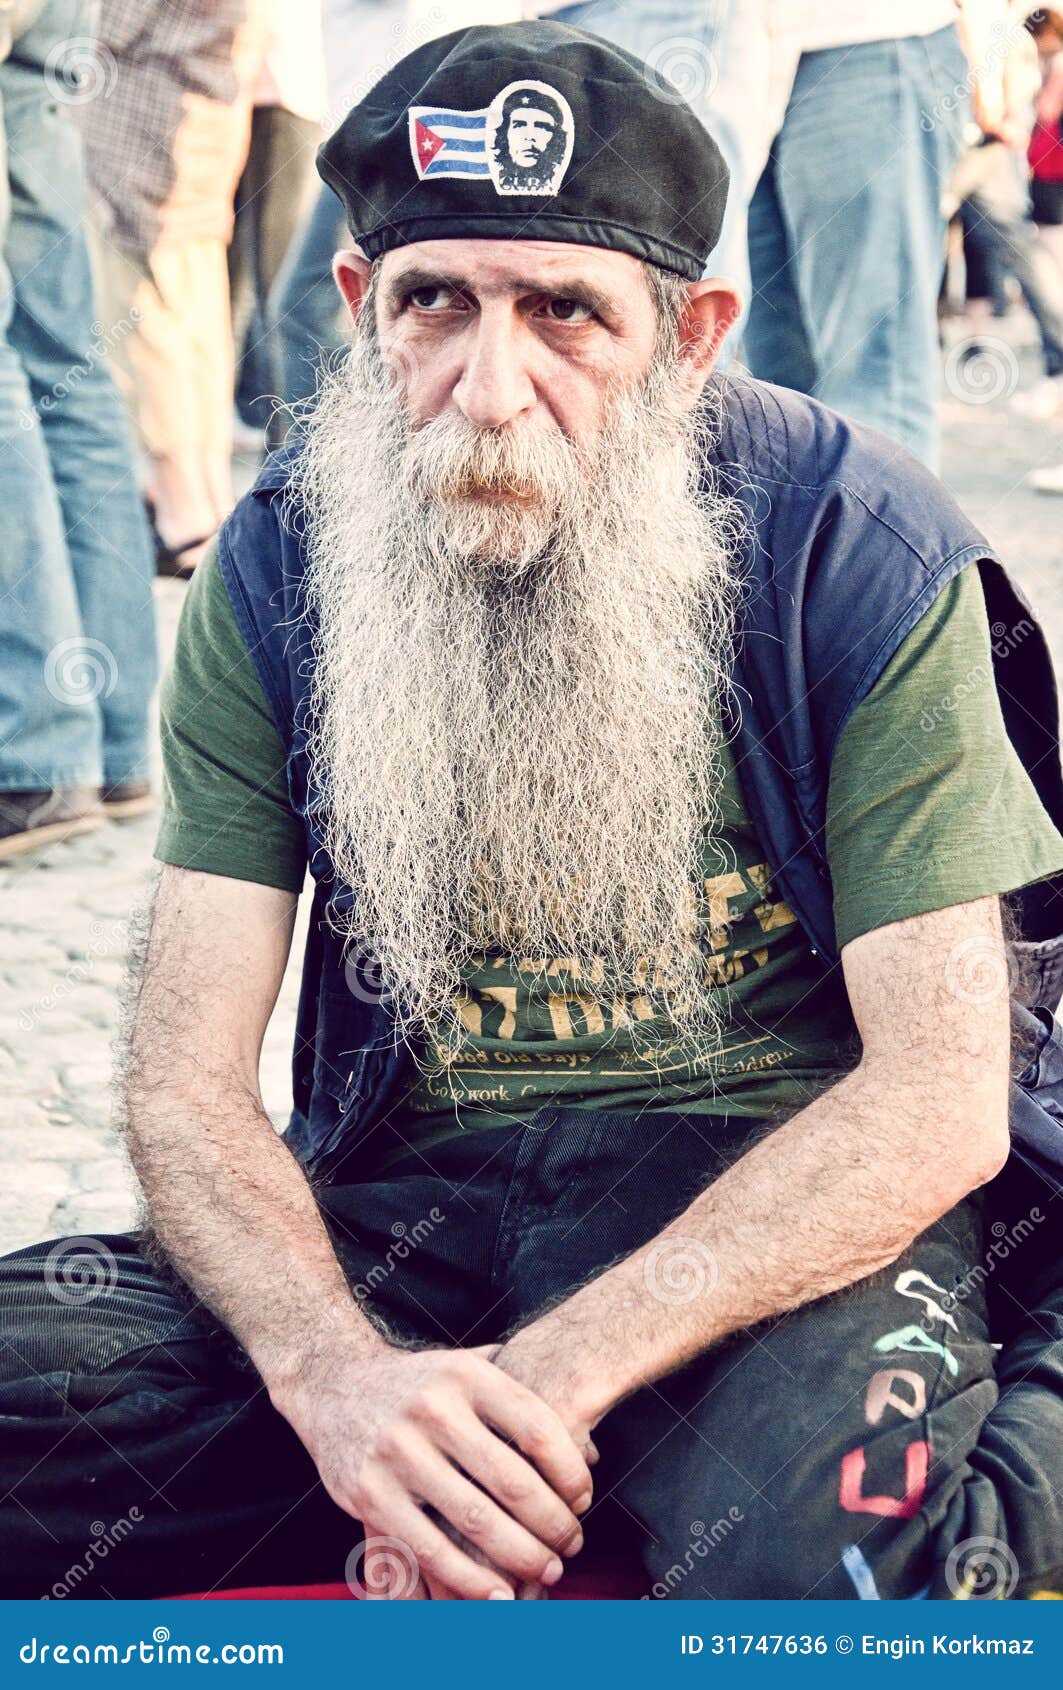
[(228, 1202), (235, 1214), (832, 1196)]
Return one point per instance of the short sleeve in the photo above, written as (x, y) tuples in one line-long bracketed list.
[(225, 794), (929, 804)]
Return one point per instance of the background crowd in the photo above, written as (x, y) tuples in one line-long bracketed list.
[(167, 296)]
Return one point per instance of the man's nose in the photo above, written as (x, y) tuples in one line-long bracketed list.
[(494, 387)]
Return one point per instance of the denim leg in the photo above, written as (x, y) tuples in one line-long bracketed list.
[(864, 229), (80, 597), (777, 343), (986, 276), (734, 65), (995, 214), (304, 303), (48, 736), (269, 198)]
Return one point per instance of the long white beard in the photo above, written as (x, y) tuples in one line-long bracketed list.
[(515, 705)]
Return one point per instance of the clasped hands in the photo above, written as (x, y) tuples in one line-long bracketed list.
[(468, 1483)]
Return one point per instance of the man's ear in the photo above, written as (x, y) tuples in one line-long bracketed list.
[(352, 273), (712, 309)]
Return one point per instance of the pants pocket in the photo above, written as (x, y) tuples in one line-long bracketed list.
[(39, 1396)]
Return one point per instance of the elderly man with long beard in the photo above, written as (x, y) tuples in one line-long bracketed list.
[(639, 731)]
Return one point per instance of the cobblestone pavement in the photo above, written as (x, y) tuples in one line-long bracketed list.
[(64, 912)]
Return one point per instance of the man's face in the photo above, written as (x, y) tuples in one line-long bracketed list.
[(513, 348), (528, 135), (514, 334)]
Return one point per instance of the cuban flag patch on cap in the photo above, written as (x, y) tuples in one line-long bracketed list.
[(521, 143), (448, 143)]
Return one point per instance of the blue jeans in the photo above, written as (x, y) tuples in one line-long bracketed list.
[(305, 304), (77, 618), (834, 229), (847, 234), (689, 41)]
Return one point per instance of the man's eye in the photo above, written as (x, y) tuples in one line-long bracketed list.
[(430, 298), (568, 311)]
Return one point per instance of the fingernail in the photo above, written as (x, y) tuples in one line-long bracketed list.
[(554, 1570), (582, 1502), (574, 1544), (500, 1596)]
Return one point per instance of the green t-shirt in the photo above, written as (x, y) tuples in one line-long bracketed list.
[(929, 805), (224, 788)]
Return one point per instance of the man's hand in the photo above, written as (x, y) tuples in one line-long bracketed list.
[(412, 1430)]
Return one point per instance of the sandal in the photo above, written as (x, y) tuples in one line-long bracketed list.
[(168, 558)]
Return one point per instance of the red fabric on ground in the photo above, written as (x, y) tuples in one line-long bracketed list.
[(623, 1581)]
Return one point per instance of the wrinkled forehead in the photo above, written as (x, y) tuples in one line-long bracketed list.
[(505, 267)]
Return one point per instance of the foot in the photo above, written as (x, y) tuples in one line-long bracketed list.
[(180, 512), (31, 819), (1046, 480), (126, 799), (1042, 401), (179, 562)]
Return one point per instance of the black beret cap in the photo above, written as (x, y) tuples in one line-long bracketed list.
[(529, 131)]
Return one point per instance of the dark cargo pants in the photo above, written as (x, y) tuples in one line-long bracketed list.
[(873, 1442)]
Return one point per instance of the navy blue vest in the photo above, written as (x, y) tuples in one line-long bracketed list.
[(848, 542)]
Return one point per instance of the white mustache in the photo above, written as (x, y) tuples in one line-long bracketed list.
[(449, 458)]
